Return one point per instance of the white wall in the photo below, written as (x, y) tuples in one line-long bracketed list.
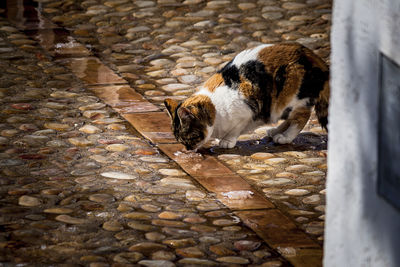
[(362, 229)]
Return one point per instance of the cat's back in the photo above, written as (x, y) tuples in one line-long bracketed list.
[(272, 57), (268, 77)]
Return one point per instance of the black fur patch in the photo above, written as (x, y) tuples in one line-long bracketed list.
[(280, 78), (324, 122), (313, 80), (286, 113), (189, 133), (260, 103), (310, 102), (230, 74)]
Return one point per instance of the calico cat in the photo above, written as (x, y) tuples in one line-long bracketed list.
[(260, 85)]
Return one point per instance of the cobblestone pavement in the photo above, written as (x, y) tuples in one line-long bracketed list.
[(90, 172)]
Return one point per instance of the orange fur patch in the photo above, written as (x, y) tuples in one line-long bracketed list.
[(247, 89), (201, 106), (171, 106), (295, 73), (213, 82)]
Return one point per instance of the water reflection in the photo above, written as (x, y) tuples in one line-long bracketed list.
[(25, 14), (93, 72)]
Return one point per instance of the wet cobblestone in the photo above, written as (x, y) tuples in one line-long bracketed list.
[(81, 186)]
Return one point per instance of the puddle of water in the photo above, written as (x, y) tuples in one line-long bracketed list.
[(93, 72), (25, 14), (58, 42)]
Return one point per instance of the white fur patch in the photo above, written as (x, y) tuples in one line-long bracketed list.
[(231, 110), (248, 55)]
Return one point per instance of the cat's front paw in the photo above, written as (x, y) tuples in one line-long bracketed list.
[(227, 143), (282, 139)]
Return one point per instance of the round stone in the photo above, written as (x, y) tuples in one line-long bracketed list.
[(112, 226), (262, 156), (157, 263), (246, 245), (141, 226), (146, 247), (233, 260), (313, 161), (225, 222), (297, 192), (177, 183), (190, 252), (118, 175), (168, 223), (197, 262), (314, 199), (296, 154), (246, 6), (272, 264), (161, 62), (221, 250), (57, 126), (173, 87), (128, 257), (169, 215), (101, 198), (117, 147), (70, 220), (163, 255), (298, 168), (138, 216), (29, 201), (178, 243), (80, 141), (208, 206), (160, 190), (277, 181), (58, 210), (195, 195), (293, 5), (154, 236), (195, 219), (314, 173), (150, 208), (274, 161), (3, 141), (171, 172), (90, 129)]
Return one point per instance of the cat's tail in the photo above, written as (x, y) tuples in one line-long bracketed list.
[(321, 106)]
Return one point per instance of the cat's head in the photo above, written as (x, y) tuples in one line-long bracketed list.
[(192, 120)]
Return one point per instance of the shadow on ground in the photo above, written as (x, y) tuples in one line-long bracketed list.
[(303, 142)]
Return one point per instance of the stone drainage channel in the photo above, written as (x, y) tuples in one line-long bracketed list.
[(255, 210)]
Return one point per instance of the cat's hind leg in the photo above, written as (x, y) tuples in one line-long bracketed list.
[(277, 130), (295, 123)]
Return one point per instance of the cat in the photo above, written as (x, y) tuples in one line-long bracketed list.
[(258, 86)]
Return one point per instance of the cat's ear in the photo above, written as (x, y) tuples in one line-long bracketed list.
[(185, 114), (171, 106)]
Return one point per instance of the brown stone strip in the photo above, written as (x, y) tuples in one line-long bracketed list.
[(153, 125), (92, 72), (123, 99), (59, 43), (282, 234), (34, 21), (303, 257), (231, 189)]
